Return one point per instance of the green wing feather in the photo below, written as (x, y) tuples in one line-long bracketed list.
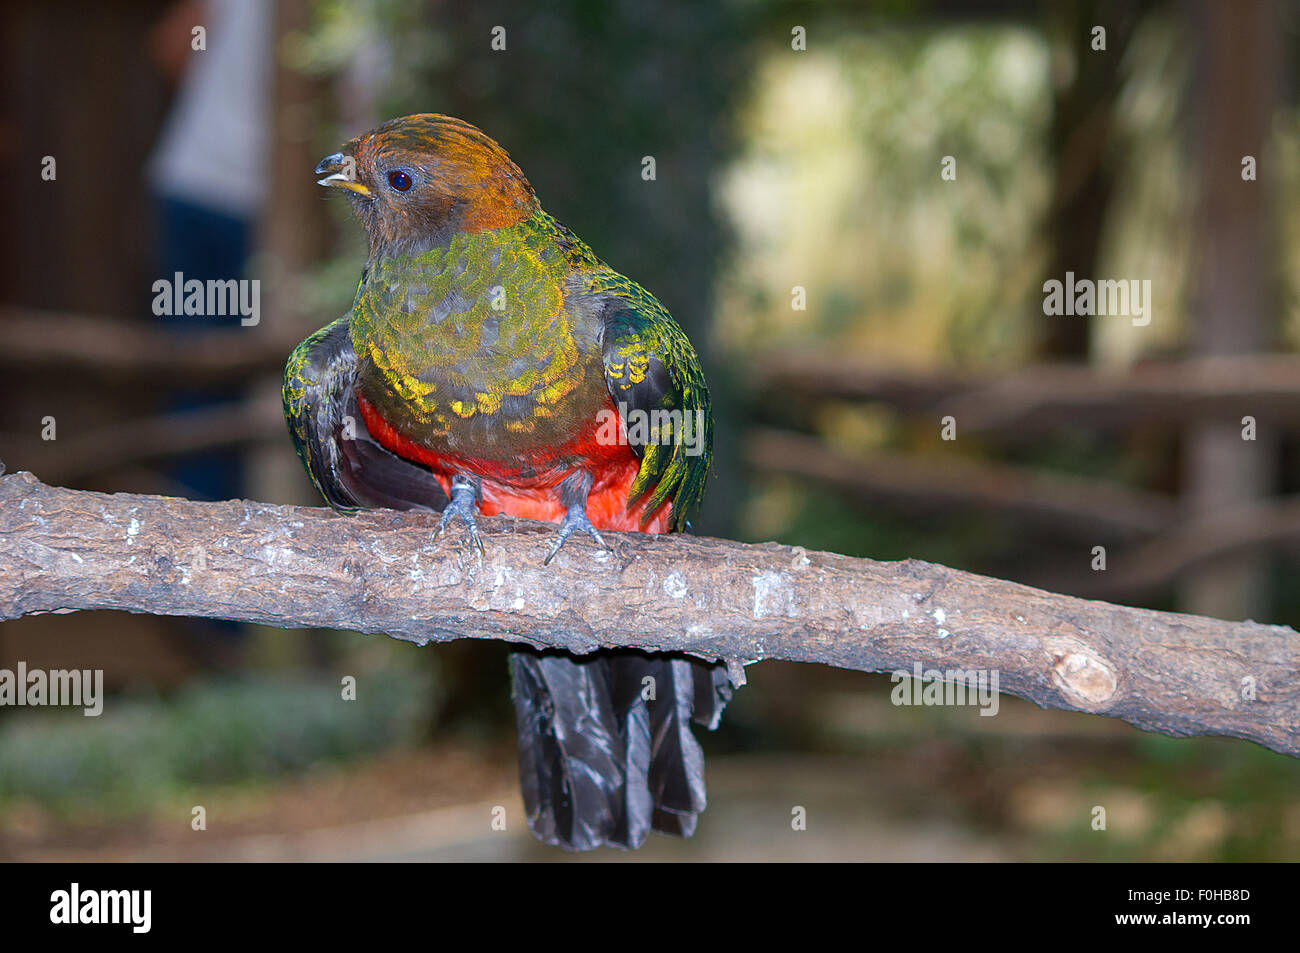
[(339, 454), (318, 371), (651, 367)]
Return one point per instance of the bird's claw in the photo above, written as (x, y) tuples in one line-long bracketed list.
[(464, 501), (575, 520)]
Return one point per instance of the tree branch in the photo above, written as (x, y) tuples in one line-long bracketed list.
[(106, 346), (1084, 507), (1037, 399), (161, 436), (380, 572), (1245, 528)]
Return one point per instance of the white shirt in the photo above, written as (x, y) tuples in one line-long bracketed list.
[(213, 148)]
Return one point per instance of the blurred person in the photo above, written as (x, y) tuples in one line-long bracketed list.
[(207, 176)]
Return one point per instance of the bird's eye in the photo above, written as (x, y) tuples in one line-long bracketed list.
[(399, 180)]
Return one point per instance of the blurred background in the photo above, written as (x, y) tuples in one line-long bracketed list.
[(848, 286)]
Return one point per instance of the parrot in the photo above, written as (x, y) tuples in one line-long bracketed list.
[(476, 374)]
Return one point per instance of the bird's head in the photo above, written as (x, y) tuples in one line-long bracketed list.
[(416, 181)]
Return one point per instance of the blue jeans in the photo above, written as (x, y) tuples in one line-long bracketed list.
[(205, 244)]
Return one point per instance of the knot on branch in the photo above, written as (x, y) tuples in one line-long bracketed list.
[(1080, 674)]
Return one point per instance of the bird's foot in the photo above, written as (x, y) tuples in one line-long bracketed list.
[(464, 503), (575, 520)]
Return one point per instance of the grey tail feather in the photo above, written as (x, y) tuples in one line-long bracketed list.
[(606, 750)]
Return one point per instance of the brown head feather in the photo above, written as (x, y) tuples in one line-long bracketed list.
[(461, 180)]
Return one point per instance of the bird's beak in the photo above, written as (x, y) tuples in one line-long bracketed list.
[(340, 172)]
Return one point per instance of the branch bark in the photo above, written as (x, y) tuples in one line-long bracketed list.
[(380, 572)]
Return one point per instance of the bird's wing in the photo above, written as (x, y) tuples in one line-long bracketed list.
[(652, 370), (348, 467)]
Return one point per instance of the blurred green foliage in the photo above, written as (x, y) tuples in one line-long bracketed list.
[(140, 751), (838, 189)]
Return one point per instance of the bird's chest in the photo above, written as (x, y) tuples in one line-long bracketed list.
[(471, 350)]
